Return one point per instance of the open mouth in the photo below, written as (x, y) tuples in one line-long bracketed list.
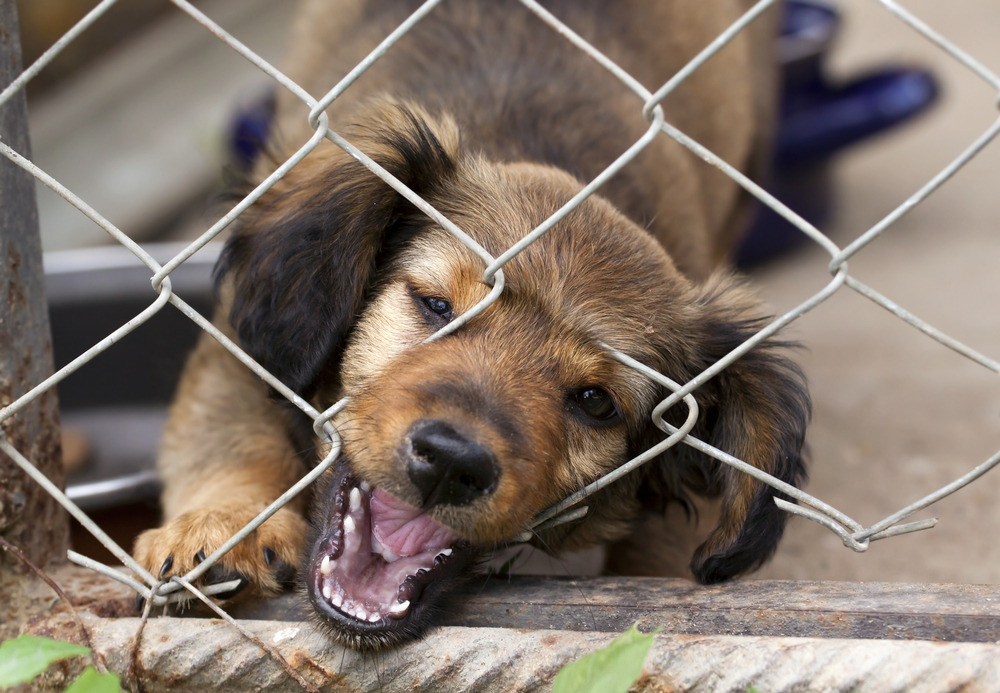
[(377, 557)]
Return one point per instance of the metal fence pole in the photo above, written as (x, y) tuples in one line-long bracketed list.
[(29, 516)]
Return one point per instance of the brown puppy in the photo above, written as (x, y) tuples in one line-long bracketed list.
[(333, 282)]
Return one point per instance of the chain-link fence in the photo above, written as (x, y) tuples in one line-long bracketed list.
[(853, 534)]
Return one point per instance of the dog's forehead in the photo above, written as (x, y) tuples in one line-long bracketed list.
[(595, 267), (499, 205), (594, 274), (539, 326)]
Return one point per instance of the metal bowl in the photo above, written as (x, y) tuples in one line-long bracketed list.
[(116, 404)]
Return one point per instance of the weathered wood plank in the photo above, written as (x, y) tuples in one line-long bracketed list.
[(891, 611), (969, 613)]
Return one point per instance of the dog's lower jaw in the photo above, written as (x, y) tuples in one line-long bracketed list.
[(380, 570)]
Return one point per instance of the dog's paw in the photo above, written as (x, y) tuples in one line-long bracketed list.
[(264, 562)]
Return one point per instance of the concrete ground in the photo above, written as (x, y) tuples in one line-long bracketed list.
[(896, 414)]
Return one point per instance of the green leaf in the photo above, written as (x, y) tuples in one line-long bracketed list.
[(24, 658), (611, 670), (92, 682)]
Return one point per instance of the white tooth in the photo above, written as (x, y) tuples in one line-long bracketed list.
[(326, 567), (389, 556), (327, 592), (446, 552), (377, 545), (399, 608), (348, 524), (366, 487), (355, 500), (375, 617), (338, 600), (361, 614)]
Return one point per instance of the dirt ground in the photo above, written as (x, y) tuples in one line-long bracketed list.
[(897, 415)]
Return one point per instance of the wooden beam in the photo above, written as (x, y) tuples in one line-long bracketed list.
[(876, 610), (29, 517)]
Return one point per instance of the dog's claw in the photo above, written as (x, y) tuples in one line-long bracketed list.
[(285, 574), (219, 573), (167, 565), (189, 541)]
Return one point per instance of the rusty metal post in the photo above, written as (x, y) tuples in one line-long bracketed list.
[(29, 517)]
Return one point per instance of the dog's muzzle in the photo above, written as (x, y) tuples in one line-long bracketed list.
[(380, 564)]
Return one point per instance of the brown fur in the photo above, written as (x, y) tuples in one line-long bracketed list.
[(323, 283)]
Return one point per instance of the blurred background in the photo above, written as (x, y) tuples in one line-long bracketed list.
[(142, 114)]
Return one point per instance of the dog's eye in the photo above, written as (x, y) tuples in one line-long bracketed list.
[(596, 403), (438, 305)]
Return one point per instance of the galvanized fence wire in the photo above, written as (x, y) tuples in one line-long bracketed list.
[(852, 533)]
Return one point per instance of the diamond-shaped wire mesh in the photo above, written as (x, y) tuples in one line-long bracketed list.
[(852, 533)]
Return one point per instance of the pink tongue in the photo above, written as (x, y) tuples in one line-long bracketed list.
[(405, 530)]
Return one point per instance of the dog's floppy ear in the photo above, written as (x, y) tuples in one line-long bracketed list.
[(757, 410), (300, 269)]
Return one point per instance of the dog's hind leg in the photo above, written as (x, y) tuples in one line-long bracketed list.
[(661, 544)]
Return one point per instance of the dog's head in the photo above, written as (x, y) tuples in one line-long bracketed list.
[(451, 447)]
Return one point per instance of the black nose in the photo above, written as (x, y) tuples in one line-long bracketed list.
[(448, 468)]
